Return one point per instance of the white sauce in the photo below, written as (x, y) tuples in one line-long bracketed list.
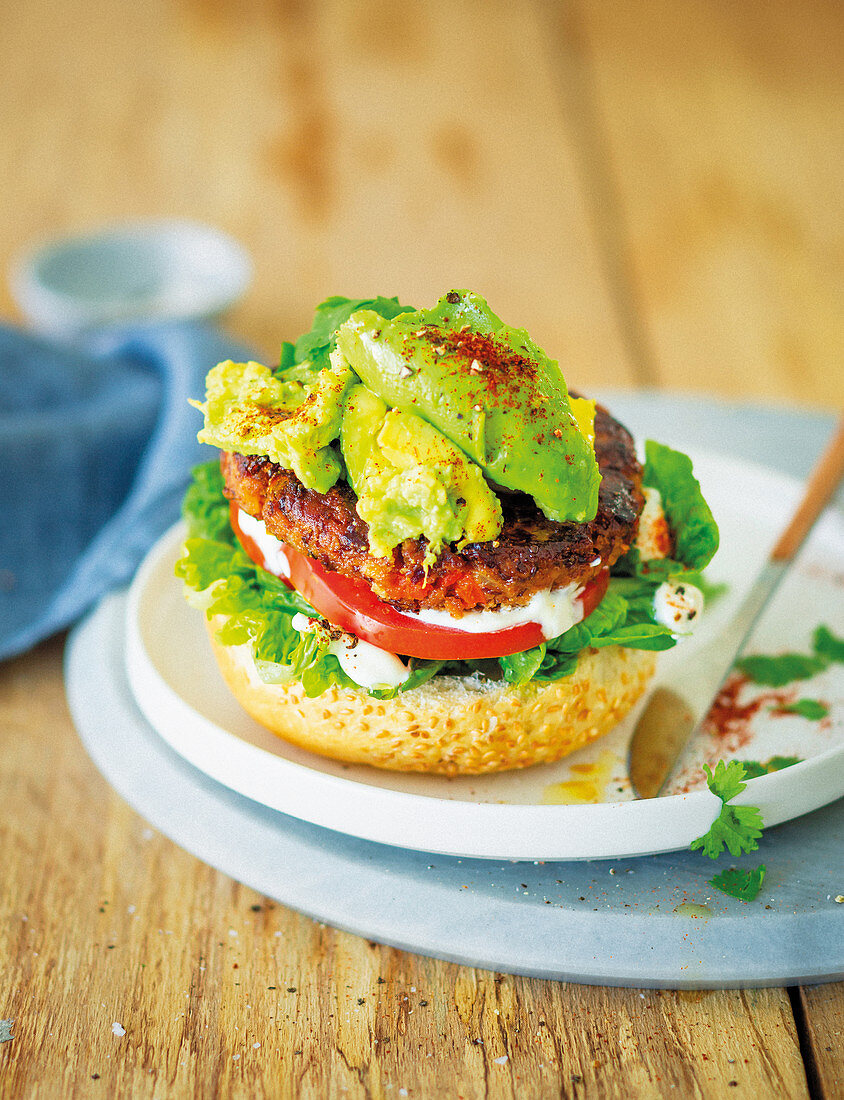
[(370, 666), (678, 607), (272, 550), (555, 612), (366, 664), (652, 526)]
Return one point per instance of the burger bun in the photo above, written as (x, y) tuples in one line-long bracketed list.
[(451, 725)]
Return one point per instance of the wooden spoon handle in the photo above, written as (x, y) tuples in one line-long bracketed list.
[(825, 477)]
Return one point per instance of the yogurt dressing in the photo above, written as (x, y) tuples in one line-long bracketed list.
[(366, 664), (271, 548), (678, 606), (555, 611)]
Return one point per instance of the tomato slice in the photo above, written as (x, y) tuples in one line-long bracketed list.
[(353, 606)]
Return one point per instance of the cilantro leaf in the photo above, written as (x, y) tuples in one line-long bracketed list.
[(726, 780), (781, 670), (744, 885), (754, 768), (736, 828), (777, 763), (777, 671), (812, 709), (827, 645)]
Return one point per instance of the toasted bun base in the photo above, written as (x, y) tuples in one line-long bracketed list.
[(452, 725)]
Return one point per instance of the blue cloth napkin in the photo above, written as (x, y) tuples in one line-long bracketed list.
[(96, 445)]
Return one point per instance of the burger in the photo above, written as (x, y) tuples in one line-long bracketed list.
[(418, 550)]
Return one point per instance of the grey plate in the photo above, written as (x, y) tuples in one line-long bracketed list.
[(613, 923)]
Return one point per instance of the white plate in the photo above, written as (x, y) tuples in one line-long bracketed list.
[(176, 683)]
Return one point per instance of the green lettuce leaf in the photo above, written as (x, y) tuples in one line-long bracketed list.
[(610, 613), (315, 346), (421, 671), (689, 516), (204, 562), (204, 508), (260, 607), (519, 668), (624, 617)]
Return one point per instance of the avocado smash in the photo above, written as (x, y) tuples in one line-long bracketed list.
[(249, 410), (411, 480), (431, 409)]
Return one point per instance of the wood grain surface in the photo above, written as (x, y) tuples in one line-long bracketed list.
[(105, 922), (722, 132), (654, 190)]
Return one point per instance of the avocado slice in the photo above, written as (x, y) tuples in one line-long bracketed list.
[(486, 387), (410, 480)]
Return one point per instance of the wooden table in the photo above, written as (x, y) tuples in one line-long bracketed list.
[(654, 190)]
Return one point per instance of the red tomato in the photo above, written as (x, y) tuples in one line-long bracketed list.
[(353, 606)]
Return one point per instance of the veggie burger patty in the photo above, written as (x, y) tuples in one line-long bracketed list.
[(532, 553)]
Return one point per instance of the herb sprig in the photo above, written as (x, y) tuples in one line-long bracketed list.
[(744, 885), (782, 669), (736, 828)]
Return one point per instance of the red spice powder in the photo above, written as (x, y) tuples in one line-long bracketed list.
[(730, 719), (729, 725), (498, 365)]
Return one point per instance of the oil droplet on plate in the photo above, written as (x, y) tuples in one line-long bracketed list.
[(587, 784), (690, 909)]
